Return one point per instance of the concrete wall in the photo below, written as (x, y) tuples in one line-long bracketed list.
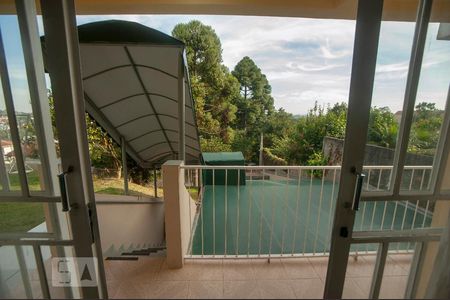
[(180, 211), (374, 156), (129, 223)]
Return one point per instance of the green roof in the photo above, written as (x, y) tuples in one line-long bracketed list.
[(118, 31), (223, 158)]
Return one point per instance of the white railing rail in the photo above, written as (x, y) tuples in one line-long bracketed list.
[(287, 211)]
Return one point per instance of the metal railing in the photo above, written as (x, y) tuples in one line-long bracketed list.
[(287, 211)]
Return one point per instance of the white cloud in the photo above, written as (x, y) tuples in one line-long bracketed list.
[(395, 67), (312, 67), (310, 59)]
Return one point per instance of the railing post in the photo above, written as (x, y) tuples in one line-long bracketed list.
[(177, 221)]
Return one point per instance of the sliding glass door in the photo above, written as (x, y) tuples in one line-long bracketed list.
[(390, 197), (49, 241)]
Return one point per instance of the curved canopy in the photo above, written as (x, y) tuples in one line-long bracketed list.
[(130, 77)]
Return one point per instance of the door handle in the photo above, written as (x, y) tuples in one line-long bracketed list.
[(358, 190), (63, 188)]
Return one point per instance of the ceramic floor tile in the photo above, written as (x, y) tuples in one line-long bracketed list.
[(265, 270), (120, 270), (205, 290), (393, 287), (355, 268), (147, 270), (113, 286), (391, 267), (298, 268), (402, 260), (247, 289), (206, 270), (311, 288), (320, 265), (276, 289), (238, 269), (360, 267), (167, 289), (364, 284), (256, 278), (130, 290), (353, 291), (167, 274)]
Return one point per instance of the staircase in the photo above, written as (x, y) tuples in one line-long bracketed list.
[(135, 254)]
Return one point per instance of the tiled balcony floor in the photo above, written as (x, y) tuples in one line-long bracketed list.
[(230, 278)]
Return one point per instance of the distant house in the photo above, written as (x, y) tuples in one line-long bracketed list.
[(7, 146)]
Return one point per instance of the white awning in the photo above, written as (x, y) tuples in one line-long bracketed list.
[(130, 79)]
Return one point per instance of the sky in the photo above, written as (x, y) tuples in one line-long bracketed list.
[(305, 60)]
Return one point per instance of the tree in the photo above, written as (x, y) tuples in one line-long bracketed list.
[(213, 87), (103, 151), (383, 127), (254, 109), (203, 50), (303, 144), (425, 131), (256, 100)]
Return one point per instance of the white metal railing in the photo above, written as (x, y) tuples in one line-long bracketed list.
[(287, 211)]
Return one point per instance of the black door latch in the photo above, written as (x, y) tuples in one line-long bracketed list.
[(343, 232)]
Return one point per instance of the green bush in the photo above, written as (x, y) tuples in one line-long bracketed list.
[(317, 159)]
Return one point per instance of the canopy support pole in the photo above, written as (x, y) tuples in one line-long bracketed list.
[(124, 165), (155, 182), (181, 110)]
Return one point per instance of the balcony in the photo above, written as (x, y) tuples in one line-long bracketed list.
[(150, 277), (277, 211), (267, 238)]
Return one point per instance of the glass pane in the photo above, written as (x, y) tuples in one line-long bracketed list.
[(360, 270), (394, 50), (429, 106), (58, 279), (25, 283), (13, 284), (9, 177), (23, 217), (393, 215), (22, 104)]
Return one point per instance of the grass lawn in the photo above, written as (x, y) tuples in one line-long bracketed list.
[(115, 187), (20, 217), (33, 181)]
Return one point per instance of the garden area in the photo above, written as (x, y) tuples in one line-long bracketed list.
[(21, 217)]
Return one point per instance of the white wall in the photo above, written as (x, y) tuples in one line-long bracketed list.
[(128, 223)]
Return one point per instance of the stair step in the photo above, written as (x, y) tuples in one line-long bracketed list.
[(136, 253), (145, 252), (122, 258)]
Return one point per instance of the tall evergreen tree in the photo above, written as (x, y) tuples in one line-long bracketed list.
[(256, 101), (213, 87), (255, 105)]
